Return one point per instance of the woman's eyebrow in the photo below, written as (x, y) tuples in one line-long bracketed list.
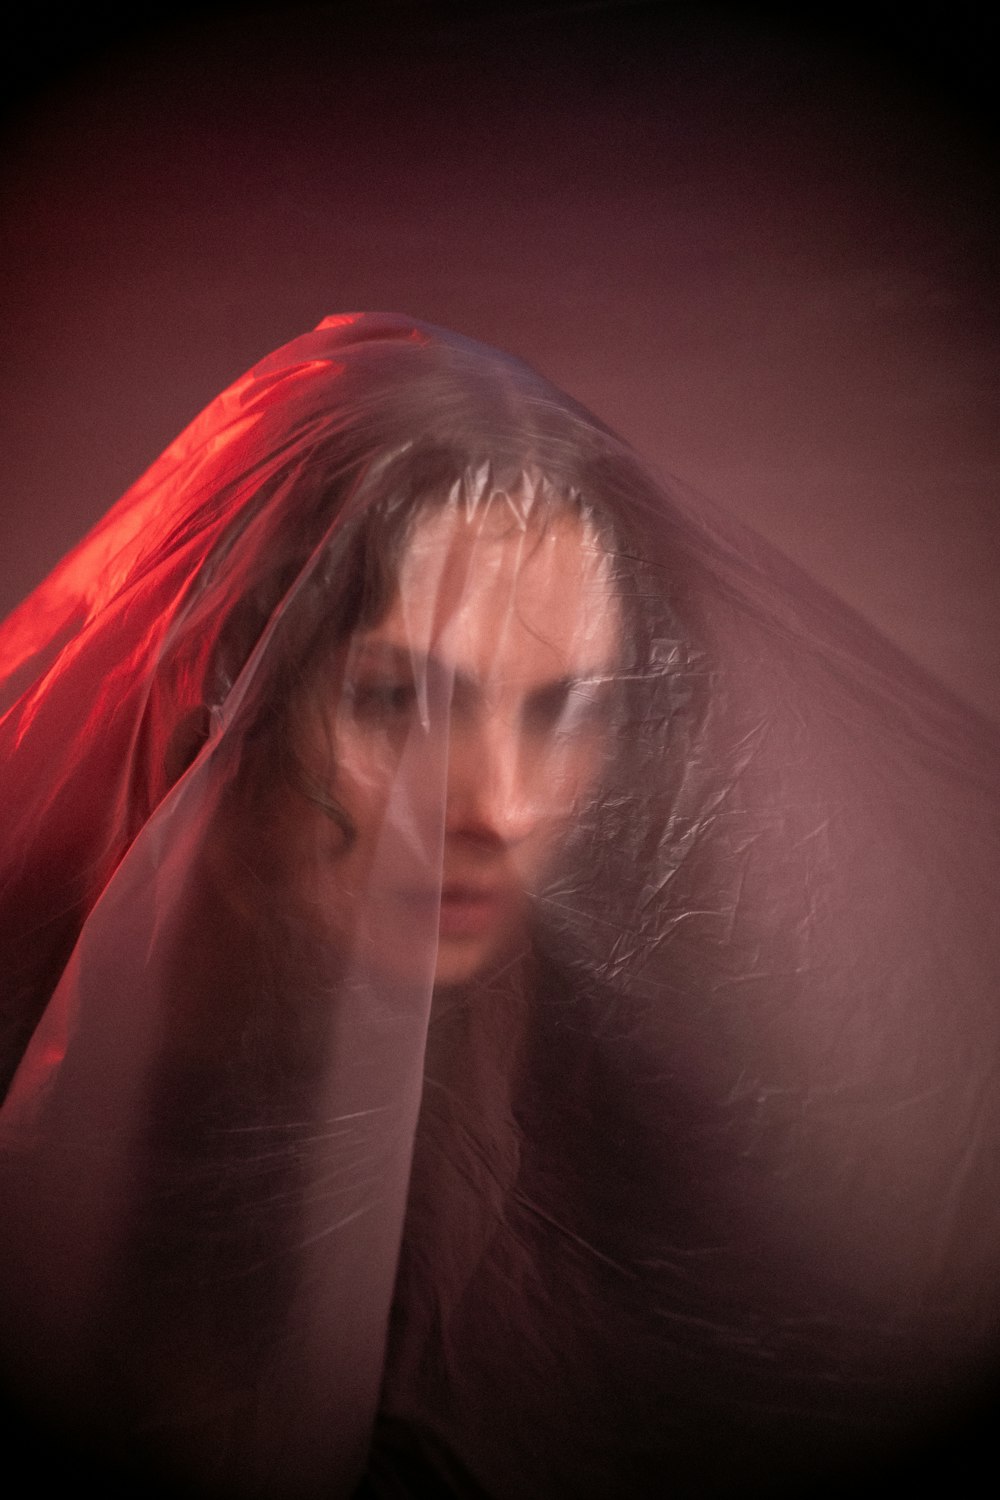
[(424, 664), (409, 661), (596, 676)]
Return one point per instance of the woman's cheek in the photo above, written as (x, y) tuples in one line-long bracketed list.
[(571, 775), (394, 795)]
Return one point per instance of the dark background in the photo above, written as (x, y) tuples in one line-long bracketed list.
[(761, 247)]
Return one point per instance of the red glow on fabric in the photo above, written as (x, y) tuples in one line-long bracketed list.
[(96, 571), (339, 320)]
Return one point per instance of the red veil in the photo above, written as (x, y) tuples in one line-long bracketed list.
[(696, 1194)]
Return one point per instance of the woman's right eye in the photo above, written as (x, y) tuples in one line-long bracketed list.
[(382, 699)]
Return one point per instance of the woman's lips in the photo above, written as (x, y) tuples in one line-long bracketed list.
[(469, 910), (464, 908)]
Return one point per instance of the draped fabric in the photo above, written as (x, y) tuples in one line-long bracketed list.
[(499, 971)]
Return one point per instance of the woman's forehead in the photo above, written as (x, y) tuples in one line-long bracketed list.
[(494, 591)]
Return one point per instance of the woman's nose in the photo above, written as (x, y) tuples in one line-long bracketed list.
[(493, 785)]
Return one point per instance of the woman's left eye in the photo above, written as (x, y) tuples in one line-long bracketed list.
[(568, 708)]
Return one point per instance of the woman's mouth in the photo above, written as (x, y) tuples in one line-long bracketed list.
[(465, 908), (469, 910)]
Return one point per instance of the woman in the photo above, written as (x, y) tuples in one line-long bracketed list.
[(497, 969)]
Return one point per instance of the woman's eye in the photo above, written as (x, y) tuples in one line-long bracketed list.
[(568, 708), (381, 701)]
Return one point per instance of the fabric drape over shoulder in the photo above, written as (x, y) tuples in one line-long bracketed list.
[(656, 1155)]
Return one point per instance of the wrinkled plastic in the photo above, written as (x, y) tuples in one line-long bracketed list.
[(499, 970)]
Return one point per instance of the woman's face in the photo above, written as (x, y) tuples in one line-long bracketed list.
[(460, 736)]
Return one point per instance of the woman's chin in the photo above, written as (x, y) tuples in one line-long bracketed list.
[(463, 963), (459, 962), (420, 964)]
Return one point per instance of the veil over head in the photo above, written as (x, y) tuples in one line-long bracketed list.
[(662, 1159)]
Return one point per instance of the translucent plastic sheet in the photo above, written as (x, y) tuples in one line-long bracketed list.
[(499, 971)]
